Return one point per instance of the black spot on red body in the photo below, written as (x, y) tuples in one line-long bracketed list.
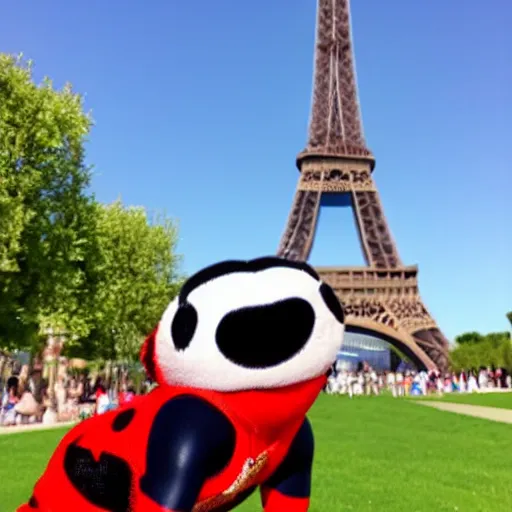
[(105, 483), (122, 420), (265, 336), (32, 502), (190, 441)]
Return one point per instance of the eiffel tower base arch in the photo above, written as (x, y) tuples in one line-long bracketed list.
[(386, 302)]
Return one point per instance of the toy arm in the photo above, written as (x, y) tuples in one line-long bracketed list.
[(289, 487), (189, 441)]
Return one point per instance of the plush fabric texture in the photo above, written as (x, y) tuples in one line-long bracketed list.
[(240, 356), (244, 325)]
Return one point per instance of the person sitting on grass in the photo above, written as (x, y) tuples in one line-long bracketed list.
[(127, 395), (27, 408), (103, 403), (8, 410)]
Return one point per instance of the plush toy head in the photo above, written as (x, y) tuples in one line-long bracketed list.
[(236, 325)]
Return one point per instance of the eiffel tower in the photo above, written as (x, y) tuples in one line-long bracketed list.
[(382, 298)]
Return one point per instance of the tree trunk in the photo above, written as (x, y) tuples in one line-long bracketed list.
[(3, 361)]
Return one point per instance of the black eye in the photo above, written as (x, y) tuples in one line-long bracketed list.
[(184, 326), (265, 336), (332, 302)]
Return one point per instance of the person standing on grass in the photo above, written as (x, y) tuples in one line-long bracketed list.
[(490, 377), (447, 383), (367, 379), (332, 384), (400, 383), (126, 395), (341, 379), (103, 403), (482, 379), (472, 383), (439, 384), (374, 381), (463, 385), (423, 379), (380, 382), (407, 383), (391, 382), (359, 390), (498, 375), (60, 393), (351, 382), (431, 386), (456, 382)]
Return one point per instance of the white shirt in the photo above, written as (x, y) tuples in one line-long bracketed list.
[(103, 403)]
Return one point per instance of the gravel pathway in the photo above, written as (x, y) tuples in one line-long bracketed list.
[(488, 413), (35, 426)]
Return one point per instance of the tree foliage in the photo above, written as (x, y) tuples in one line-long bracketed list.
[(474, 350), (509, 316), (469, 337), (133, 276), (100, 274), (44, 209)]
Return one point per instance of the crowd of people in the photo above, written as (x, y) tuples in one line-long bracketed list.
[(26, 398), (367, 381)]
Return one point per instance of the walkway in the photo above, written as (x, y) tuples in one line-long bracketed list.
[(478, 411), (34, 426)]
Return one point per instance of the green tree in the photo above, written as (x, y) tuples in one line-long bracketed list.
[(134, 274), (474, 350), (509, 316), (45, 212), (469, 337)]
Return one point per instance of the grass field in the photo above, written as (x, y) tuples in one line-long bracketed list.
[(373, 454), (500, 400)]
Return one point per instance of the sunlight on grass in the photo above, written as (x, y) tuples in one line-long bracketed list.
[(372, 454)]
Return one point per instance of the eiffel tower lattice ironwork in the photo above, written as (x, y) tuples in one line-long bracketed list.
[(382, 297)]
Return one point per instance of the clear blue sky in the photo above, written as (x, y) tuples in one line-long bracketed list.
[(200, 108)]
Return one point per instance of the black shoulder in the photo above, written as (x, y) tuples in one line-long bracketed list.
[(303, 445), (293, 476), (190, 440), (190, 420)]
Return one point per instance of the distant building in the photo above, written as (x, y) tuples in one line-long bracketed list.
[(359, 345)]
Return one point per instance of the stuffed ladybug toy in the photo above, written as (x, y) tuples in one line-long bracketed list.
[(239, 357)]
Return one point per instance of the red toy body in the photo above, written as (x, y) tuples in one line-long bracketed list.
[(265, 423), (240, 356)]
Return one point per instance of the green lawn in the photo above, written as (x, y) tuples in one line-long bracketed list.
[(373, 454), (500, 400)]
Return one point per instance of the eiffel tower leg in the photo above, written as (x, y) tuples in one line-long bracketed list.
[(297, 239), (434, 343), (374, 232)]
